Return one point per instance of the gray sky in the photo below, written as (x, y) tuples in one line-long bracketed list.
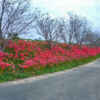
[(87, 8)]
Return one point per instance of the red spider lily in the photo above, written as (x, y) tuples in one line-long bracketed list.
[(34, 55)]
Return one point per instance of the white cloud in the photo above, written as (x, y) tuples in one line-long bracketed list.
[(87, 8), (62, 6)]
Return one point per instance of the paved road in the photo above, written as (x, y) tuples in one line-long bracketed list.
[(78, 84)]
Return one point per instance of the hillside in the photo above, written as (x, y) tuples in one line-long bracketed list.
[(22, 58)]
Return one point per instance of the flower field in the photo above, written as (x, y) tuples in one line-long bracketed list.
[(30, 57)]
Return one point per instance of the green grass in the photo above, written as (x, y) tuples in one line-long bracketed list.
[(7, 76)]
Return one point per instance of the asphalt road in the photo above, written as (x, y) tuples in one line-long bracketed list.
[(77, 84)]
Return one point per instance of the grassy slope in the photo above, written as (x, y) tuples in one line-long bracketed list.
[(64, 66)]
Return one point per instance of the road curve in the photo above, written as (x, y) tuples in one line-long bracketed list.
[(78, 84)]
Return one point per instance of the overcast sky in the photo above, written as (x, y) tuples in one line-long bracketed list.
[(88, 8)]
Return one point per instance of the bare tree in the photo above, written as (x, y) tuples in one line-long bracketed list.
[(15, 17), (70, 27), (76, 28), (63, 28), (48, 28), (91, 38)]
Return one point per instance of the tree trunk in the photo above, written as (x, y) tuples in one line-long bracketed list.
[(1, 40)]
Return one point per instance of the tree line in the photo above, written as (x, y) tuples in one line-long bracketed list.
[(16, 17)]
